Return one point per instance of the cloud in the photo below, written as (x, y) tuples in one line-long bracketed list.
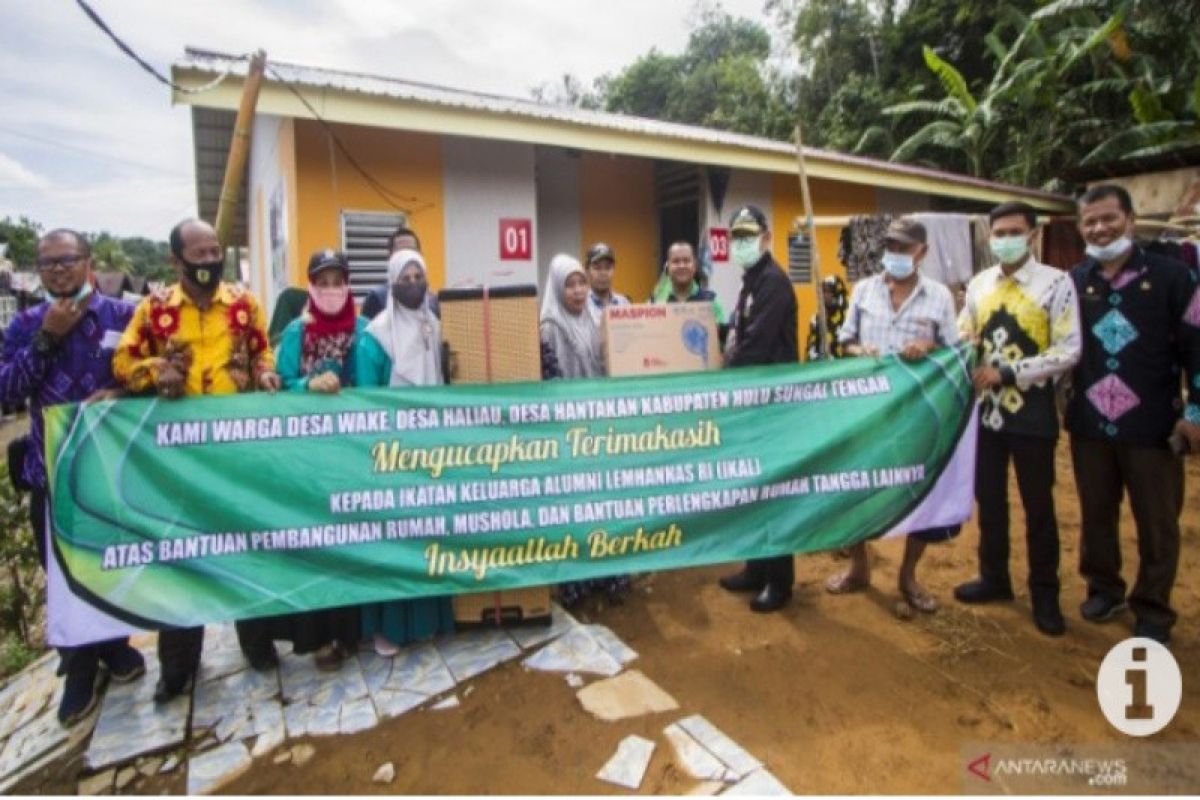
[(15, 175)]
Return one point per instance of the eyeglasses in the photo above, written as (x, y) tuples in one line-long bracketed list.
[(66, 262)]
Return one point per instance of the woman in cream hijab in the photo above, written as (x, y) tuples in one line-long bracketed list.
[(568, 330), (402, 347)]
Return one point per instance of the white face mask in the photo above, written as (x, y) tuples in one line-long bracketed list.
[(1009, 249), (1111, 251), (745, 252), (898, 265)]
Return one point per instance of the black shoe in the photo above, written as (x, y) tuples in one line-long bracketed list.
[(167, 690), (79, 696), (124, 664), (1102, 608), (981, 591), (771, 598), (1147, 630), (742, 581), (1048, 618), (264, 659)]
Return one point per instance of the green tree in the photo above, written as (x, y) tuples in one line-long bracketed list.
[(108, 255), (21, 236)]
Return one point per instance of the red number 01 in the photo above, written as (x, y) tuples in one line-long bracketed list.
[(516, 240)]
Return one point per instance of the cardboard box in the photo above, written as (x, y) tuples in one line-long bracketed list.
[(505, 608), (657, 338), (493, 337)]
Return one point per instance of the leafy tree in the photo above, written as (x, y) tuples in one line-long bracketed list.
[(108, 255), (21, 235)]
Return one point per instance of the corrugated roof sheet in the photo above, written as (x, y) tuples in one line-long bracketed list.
[(215, 63)]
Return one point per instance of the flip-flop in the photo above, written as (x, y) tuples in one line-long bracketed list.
[(920, 600), (844, 584)]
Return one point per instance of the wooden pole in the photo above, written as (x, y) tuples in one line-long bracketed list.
[(239, 148), (810, 226)]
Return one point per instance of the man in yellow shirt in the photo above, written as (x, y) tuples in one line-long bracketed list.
[(200, 336)]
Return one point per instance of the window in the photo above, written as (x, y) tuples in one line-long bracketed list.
[(365, 241)]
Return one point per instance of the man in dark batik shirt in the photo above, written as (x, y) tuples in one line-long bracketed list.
[(1136, 403)]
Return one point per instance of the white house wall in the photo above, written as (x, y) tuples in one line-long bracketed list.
[(265, 178), (558, 224), (484, 182), (744, 187)]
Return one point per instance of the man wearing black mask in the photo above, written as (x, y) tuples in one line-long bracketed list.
[(764, 332), (200, 336)]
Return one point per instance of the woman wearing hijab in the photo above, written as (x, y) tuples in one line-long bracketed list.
[(570, 338), (402, 347), (568, 330), (316, 354), (833, 294)]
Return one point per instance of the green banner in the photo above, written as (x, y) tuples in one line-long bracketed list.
[(199, 510)]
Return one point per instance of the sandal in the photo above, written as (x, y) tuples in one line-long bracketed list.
[(920, 599), (845, 583)]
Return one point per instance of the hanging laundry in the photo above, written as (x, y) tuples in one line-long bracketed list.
[(951, 256)]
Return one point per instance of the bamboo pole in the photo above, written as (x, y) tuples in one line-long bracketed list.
[(239, 148), (810, 226)]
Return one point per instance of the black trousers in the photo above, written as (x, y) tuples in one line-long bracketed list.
[(1033, 459), (778, 571), (86, 658), (1153, 477)]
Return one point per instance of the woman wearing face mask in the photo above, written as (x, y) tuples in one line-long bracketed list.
[(570, 337), (402, 347), (316, 354)]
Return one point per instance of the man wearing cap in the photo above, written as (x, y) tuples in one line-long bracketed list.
[(600, 266), (200, 336), (1025, 319), (898, 312), (764, 332)]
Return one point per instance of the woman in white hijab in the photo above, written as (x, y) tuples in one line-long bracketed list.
[(568, 330), (570, 334), (403, 343), (402, 347)]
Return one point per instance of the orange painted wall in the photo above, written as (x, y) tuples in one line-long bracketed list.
[(830, 198), (408, 164), (616, 205)]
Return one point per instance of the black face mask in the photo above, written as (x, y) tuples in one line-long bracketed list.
[(205, 274), (410, 295)]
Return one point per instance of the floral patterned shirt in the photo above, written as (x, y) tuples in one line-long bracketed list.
[(224, 346)]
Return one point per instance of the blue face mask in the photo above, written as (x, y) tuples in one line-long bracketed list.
[(898, 265)]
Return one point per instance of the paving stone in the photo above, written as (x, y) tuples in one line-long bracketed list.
[(530, 636), (469, 654), (131, 723), (357, 715), (691, 756), (391, 704), (758, 783), (630, 694), (714, 741), (446, 703), (577, 650), (209, 771), (150, 766), (628, 765), (608, 640), (385, 774)]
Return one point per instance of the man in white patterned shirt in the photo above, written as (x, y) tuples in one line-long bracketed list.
[(1025, 318), (903, 313)]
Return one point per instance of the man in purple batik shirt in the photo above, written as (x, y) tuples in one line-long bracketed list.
[(61, 352)]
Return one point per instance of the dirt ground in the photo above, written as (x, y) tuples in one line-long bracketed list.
[(835, 694)]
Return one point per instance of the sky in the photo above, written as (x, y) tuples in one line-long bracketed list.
[(88, 140)]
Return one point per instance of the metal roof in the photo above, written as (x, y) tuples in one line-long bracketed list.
[(358, 98)]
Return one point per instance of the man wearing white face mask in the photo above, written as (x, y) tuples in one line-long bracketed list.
[(1142, 312), (903, 313), (764, 332), (1024, 316)]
